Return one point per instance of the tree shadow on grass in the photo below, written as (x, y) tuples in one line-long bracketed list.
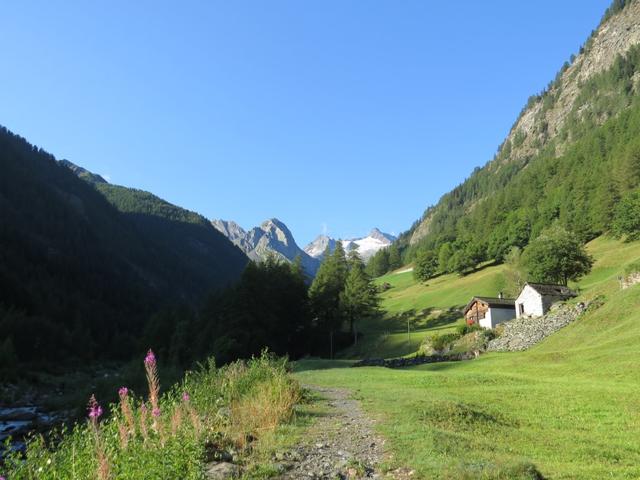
[(428, 318), (308, 364)]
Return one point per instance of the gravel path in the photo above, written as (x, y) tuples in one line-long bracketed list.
[(341, 444)]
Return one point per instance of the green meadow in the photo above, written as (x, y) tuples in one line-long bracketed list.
[(567, 408)]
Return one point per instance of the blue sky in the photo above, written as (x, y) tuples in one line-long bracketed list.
[(342, 114)]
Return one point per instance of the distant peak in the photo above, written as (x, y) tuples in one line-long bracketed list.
[(321, 237), (274, 222), (383, 237)]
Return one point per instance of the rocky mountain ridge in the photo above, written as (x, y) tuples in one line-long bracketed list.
[(272, 237), (544, 120), (318, 246)]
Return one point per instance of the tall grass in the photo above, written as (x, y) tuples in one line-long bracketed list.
[(166, 436)]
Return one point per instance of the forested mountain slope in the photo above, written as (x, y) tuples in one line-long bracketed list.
[(571, 154), (78, 277), (200, 255)]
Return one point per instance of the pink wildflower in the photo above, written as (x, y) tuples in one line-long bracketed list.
[(123, 392), (150, 359), (151, 370), (185, 397), (95, 410)]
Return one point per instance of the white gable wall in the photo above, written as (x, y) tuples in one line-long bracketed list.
[(531, 301), (495, 316)]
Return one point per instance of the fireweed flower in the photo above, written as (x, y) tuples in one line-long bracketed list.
[(94, 413), (94, 410), (185, 397), (143, 421), (151, 370), (150, 359), (127, 413)]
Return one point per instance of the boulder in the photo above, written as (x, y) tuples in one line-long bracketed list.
[(222, 471)]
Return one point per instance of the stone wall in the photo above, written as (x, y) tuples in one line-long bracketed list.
[(524, 332), (417, 360)]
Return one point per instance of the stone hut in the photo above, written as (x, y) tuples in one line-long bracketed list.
[(489, 311), (535, 299)]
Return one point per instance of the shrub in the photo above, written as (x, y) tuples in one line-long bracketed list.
[(443, 341), (468, 328), (489, 334)]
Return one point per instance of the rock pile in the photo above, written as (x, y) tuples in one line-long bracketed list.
[(524, 332), (630, 280)]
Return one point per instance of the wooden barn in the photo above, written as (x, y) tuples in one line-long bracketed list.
[(489, 311), (535, 299)]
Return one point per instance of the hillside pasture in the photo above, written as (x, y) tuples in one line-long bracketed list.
[(567, 408)]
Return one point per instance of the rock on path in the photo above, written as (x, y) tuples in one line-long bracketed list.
[(340, 445)]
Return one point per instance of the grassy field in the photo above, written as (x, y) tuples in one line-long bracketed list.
[(421, 309), (570, 406)]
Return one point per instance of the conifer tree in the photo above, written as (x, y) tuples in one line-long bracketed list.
[(324, 293), (395, 261), (359, 299), (378, 264)]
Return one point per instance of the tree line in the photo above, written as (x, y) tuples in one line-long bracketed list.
[(272, 306)]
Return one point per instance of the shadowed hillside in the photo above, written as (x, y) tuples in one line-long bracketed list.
[(78, 277)]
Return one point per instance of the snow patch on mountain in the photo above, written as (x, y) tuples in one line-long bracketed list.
[(366, 246), (317, 248)]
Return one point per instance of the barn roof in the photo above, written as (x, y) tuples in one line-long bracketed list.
[(493, 302), (548, 289)]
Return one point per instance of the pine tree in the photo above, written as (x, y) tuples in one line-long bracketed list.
[(629, 166), (359, 299), (324, 293), (395, 261), (378, 264)]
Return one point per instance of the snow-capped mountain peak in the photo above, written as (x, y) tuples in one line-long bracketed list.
[(366, 246), (317, 248)]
